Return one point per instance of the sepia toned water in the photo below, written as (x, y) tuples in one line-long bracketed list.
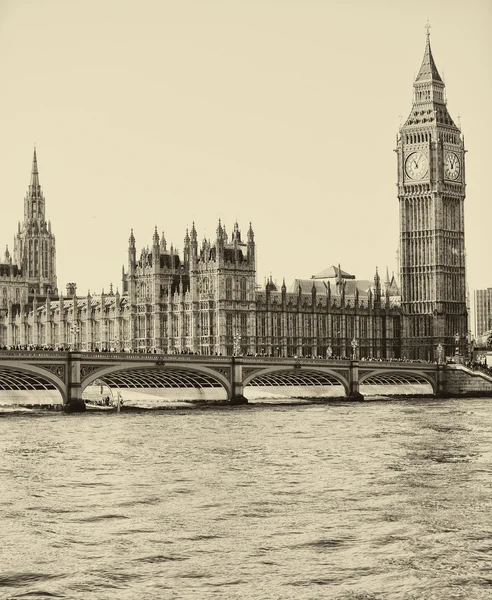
[(381, 500)]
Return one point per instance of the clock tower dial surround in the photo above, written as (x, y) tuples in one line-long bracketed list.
[(431, 194)]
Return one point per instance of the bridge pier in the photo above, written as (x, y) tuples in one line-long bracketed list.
[(74, 402), (354, 393), (440, 381), (237, 387)]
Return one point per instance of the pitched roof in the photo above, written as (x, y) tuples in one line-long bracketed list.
[(428, 70), (332, 272)]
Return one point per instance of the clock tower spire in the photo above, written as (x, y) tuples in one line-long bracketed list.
[(431, 194)]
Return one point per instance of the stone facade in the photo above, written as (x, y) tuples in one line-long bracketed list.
[(431, 193), (207, 301), (483, 313), (462, 381)]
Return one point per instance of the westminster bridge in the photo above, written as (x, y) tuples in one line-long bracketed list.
[(70, 372)]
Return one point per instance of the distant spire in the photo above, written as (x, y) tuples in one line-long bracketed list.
[(34, 171), (376, 276), (251, 234), (131, 240), (428, 70)]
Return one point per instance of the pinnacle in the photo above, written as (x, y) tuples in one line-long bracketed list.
[(428, 70)]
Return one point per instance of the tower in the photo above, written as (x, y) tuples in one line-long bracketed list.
[(431, 194), (34, 245)]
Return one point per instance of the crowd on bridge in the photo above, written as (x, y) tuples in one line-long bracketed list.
[(480, 366), (261, 354)]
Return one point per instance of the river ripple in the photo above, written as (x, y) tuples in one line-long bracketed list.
[(381, 500)]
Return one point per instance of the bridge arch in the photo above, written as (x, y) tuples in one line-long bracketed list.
[(288, 375), (158, 376), (397, 377), (32, 378)]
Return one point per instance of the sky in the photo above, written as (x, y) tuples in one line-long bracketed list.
[(284, 113)]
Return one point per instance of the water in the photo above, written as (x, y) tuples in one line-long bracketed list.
[(381, 500)]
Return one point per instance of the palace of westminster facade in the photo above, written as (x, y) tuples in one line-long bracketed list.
[(207, 301)]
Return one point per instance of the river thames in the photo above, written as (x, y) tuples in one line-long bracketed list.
[(373, 500)]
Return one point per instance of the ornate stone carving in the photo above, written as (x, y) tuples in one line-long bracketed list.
[(223, 371), (247, 371), (86, 370), (58, 370), (342, 372)]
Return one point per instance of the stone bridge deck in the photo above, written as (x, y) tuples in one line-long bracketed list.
[(72, 372)]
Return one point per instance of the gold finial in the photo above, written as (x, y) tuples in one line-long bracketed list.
[(427, 28)]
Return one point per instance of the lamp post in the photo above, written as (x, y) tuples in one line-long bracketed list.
[(457, 342), (440, 354), (237, 344), (75, 329), (355, 344)]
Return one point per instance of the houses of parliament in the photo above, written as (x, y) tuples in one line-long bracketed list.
[(207, 300)]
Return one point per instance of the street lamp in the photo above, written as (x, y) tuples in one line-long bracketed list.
[(440, 354), (237, 344), (355, 344), (75, 329)]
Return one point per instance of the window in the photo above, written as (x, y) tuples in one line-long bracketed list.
[(229, 325), (229, 288), (243, 288)]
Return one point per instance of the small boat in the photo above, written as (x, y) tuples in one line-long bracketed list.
[(99, 407), (107, 405)]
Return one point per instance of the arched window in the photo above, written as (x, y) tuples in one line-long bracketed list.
[(243, 288), (17, 295), (4, 296), (229, 288)]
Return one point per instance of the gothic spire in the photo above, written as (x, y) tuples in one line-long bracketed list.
[(428, 70), (155, 237), (34, 173)]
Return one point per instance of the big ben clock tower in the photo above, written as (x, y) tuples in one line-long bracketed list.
[(431, 194)]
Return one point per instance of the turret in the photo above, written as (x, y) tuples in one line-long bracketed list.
[(34, 246), (187, 250), (194, 247), (236, 235), (156, 251), (251, 245), (132, 253), (220, 244), (377, 289)]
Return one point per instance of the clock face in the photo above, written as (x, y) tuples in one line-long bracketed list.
[(451, 166), (416, 165)]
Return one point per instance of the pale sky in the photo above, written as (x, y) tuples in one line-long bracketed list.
[(282, 113)]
